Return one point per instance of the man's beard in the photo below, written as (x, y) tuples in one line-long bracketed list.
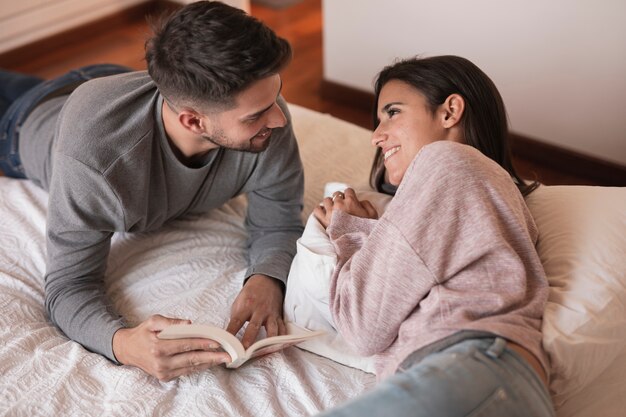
[(255, 144)]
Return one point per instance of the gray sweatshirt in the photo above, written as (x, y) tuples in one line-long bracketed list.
[(454, 252), (103, 155)]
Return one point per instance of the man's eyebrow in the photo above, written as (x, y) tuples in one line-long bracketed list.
[(260, 112)]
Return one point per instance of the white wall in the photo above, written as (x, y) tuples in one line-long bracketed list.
[(26, 21), (560, 65)]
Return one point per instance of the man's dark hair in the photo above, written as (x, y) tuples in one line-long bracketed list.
[(484, 121), (206, 52)]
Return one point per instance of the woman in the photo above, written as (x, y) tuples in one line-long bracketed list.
[(446, 288)]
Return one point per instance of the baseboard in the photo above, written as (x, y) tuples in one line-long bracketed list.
[(596, 170), (353, 97), (16, 57)]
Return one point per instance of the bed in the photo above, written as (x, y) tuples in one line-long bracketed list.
[(193, 268)]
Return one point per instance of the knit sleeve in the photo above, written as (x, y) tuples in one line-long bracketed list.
[(376, 284), (81, 214)]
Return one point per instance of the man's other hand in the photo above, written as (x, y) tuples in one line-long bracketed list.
[(260, 302)]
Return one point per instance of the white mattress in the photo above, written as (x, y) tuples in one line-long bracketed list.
[(192, 268)]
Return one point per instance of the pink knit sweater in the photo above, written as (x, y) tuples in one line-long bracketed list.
[(455, 250)]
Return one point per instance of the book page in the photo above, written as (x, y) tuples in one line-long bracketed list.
[(272, 348), (230, 343), (296, 334)]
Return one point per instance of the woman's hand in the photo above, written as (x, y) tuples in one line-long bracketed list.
[(347, 202)]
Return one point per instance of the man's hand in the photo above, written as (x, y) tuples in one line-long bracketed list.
[(165, 359), (260, 302), (346, 201)]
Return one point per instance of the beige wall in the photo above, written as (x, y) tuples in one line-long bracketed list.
[(559, 64)]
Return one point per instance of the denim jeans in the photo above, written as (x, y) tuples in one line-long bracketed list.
[(475, 377), (20, 94)]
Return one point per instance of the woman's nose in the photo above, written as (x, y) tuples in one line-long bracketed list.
[(378, 136)]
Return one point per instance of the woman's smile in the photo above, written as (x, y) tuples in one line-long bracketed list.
[(391, 152)]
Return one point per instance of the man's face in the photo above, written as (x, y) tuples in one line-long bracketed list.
[(248, 126)]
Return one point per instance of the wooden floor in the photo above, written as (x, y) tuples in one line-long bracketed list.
[(121, 41)]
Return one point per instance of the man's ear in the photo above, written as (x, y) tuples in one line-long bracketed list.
[(452, 110), (192, 121)]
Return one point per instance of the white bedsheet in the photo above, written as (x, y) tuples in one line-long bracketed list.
[(193, 268)]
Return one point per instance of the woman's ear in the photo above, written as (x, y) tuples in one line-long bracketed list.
[(452, 110)]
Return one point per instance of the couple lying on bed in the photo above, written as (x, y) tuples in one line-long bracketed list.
[(445, 288)]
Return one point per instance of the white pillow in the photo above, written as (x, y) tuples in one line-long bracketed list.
[(307, 295), (582, 245)]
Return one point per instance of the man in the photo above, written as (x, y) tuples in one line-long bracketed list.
[(129, 151)]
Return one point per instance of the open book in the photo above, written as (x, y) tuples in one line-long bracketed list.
[(232, 345)]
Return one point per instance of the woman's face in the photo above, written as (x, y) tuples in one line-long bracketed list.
[(406, 125)]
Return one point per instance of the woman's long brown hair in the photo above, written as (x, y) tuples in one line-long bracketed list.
[(484, 120)]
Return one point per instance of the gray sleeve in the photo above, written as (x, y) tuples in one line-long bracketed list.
[(81, 219), (275, 201)]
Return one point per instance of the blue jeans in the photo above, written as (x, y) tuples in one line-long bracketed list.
[(20, 94), (475, 377)]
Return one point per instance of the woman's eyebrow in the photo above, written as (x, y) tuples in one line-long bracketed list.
[(388, 105)]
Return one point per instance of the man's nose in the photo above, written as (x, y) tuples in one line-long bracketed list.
[(276, 117)]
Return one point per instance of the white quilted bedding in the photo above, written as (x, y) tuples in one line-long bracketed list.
[(193, 268)]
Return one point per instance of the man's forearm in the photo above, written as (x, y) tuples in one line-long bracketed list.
[(272, 254), (75, 297), (84, 317)]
